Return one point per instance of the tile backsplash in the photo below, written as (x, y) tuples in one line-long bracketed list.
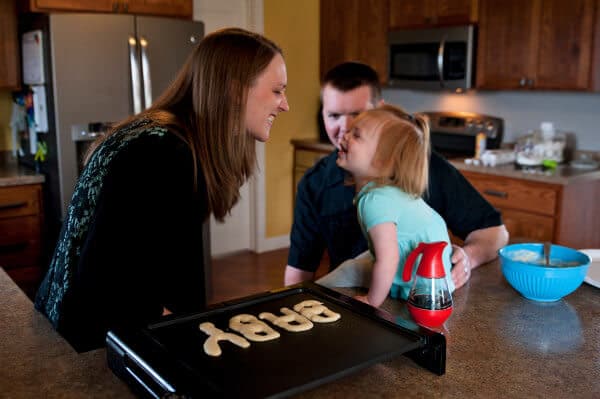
[(578, 113)]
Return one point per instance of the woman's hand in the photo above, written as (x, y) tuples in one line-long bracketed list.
[(461, 266)]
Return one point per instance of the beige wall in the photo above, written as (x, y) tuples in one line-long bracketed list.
[(295, 27), (5, 113)]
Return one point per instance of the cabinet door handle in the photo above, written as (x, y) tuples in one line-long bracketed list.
[(495, 193), (136, 86), (146, 73), (13, 205)]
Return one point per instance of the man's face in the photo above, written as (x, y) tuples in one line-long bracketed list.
[(340, 108)]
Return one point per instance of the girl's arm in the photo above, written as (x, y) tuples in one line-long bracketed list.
[(385, 245)]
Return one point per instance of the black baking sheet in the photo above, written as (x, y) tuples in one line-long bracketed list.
[(169, 356)]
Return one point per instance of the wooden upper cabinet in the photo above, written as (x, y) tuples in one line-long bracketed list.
[(9, 46), (174, 8), (74, 5), (406, 14), (428, 13), (508, 37), (537, 44), (354, 30), (565, 48)]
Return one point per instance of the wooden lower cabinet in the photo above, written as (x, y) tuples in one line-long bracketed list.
[(528, 225), (306, 154), (565, 214), (20, 234)]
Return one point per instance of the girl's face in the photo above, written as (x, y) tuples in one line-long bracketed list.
[(266, 99), (357, 151)]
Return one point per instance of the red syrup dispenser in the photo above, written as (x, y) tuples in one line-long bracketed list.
[(429, 300)]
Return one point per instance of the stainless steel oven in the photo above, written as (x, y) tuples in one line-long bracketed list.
[(432, 59), (454, 134)]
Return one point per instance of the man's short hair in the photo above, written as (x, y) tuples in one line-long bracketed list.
[(350, 75)]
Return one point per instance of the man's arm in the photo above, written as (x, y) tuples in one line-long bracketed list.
[(294, 275), (307, 243), (468, 215), (480, 247)]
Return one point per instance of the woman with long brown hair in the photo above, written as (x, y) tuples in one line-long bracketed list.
[(131, 243)]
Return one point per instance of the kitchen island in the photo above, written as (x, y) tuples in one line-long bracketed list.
[(499, 344)]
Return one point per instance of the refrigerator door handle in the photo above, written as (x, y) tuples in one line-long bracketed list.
[(146, 73), (136, 89)]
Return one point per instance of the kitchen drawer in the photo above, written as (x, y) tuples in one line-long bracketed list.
[(527, 225), (306, 159), (19, 242), (19, 200), (516, 194)]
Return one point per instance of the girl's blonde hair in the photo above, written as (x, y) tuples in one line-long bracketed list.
[(205, 106), (402, 154)]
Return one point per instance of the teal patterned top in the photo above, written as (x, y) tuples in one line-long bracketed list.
[(120, 231)]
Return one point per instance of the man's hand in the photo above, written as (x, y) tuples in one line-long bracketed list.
[(461, 266), (480, 247)]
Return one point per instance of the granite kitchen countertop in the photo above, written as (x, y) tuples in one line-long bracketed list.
[(499, 344), (13, 174), (563, 174)]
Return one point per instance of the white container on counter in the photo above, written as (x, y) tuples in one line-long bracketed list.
[(497, 157), (544, 144)]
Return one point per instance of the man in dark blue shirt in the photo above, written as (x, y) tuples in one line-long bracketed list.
[(325, 216)]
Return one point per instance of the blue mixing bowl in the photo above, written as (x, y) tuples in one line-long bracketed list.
[(524, 268)]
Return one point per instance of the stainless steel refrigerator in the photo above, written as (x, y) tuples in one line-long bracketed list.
[(100, 68)]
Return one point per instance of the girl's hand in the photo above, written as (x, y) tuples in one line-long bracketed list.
[(362, 298)]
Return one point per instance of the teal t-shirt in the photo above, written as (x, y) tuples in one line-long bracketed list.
[(415, 222)]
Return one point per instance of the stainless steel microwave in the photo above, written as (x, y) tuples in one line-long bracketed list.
[(432, 59)]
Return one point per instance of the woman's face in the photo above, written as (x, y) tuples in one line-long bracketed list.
[(266, 99)]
